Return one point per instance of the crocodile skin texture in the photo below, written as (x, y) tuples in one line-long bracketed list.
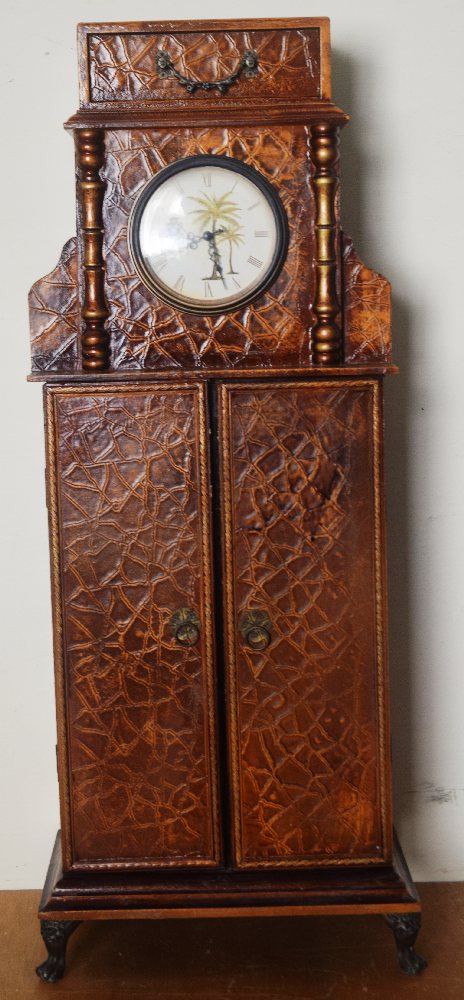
[(147, 333), (367, 310), (300, 523), (122, 65), (132, 492), (54, 315)]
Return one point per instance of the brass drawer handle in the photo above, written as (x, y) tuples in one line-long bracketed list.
[(248, 64), (255, 627), (185, 626)]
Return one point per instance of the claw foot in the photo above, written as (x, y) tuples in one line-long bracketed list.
[(405, 927), (55, 934)]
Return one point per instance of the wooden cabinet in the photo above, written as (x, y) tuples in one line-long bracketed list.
[(215, 495), (296, 516)]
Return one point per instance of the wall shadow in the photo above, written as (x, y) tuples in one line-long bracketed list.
[(358, 221)]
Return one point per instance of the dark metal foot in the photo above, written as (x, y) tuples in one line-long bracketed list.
[(405, 927), (55, 934)]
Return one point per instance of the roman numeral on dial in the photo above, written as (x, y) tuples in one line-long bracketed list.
[(256, 263), (160, 262), (261, 232), (180, 283), (207, 180)]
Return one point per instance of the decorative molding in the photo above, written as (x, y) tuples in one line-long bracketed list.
[(326, 333), (95, 340)]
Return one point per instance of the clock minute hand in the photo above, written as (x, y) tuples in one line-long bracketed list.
[(214, 254)]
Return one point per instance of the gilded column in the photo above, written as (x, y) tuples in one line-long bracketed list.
[(326, 333), (90, 149)]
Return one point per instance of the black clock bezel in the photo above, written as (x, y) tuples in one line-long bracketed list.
[(182, 302)]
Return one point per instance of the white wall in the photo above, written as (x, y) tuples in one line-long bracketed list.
[(397, 70)]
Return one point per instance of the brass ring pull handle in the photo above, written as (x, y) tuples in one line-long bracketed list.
[(248, 65), (255, 627), (185, 627)]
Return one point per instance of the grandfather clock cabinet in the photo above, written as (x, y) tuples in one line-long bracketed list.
[(213, 353)]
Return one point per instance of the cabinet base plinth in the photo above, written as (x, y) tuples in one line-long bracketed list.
[(96, 895), (385, 889)]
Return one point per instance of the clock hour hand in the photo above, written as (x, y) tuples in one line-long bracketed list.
[(176, 229), (193, 241)]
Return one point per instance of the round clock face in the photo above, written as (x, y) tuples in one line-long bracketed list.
[(208, 234)]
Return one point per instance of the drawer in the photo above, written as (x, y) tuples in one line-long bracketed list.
[(122, 62)]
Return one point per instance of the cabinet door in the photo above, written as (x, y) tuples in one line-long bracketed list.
[(304, 607), (129, 504)]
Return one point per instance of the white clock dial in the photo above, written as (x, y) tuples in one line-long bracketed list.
[(208, 234)]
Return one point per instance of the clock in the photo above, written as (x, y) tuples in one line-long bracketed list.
[(214, 484), (208, 234)]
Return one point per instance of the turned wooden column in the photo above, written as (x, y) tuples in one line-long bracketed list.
[(95, 340), (326, 333)]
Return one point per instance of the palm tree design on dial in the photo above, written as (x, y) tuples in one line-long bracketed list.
[(222, 214)]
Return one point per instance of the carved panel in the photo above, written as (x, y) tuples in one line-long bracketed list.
[(147, 333), (54, 315), (367, 310), (303, 552), (132, 493), (121, 65)]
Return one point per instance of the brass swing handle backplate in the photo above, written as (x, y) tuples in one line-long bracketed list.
[(255, 627), (185, 626), (248, 65)]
